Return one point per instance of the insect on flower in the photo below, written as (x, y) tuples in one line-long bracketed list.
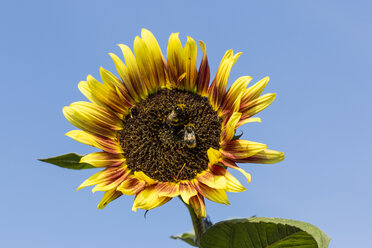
[(189, 137)]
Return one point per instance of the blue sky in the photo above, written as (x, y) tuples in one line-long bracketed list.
[(317, 54)]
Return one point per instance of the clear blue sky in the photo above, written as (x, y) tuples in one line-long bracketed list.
[(317, 53)]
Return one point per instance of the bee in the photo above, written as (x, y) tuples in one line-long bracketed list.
[(173, 118), (189, 137)]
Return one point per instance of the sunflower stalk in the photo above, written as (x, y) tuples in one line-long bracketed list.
[(199, 224)]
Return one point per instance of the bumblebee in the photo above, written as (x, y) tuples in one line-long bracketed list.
[(189, 136), (173, 119)]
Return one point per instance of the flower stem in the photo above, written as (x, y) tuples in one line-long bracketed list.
[(198, 224)]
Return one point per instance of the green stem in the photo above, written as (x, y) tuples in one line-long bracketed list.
[(198, 224)]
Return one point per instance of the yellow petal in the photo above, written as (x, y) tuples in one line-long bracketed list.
[(175, 57), (113, 183), (142, 176), (105, 176), (131, 186), (109, 79), (234, 94), (187, 190), (197, 203), (168, 189), (156, 54), (255, 91), (216, 195), (232, 165), (229, 130), (217, 90), (146, 65), (121, 68), (264, 157), (106, 93), (103, 159), (103, 143), (247, 175), (232, 184), (213, 155), (83, 122), (149, 199), (133, 72), (87, 92), (241, 149), (257, 105), (211, 180), (248, 120), (92, 180), (97, 115), (190, 65), (108, 197)]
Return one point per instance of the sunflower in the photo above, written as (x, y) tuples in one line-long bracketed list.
[(164, 131)]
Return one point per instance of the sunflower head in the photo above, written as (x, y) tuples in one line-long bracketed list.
[(164, 130)]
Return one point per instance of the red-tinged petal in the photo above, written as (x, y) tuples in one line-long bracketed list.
[(241, 149), (108, 197), (127, 88), (103, 159), (133, 72), (113, 183), (106, 144), (131, 186), (121, 68), (168, 189), (87, 92), (254, 91), (231, 164), (113, 94), (231, 102), (228, 130), (187, 190), (175, 57), (206, 177), (213, 181), (160, 201), (217, 90), (98, 115), (196, 183), (107, 175), (142, 176), (148, 199), (232, 184), (83, 122), (216, 195), (156, 54), (146, 65), (202, 81), (253, 107), (190, 65), (264, 157), (248, 120), (197, 203)]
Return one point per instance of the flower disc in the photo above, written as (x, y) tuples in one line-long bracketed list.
[(157, 147)]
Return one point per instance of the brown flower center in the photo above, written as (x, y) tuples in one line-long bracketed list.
[(167, 135)]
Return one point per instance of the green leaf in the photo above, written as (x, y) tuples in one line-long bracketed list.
[(237, 136), (263, 232), (187, 237), (69, 161)]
